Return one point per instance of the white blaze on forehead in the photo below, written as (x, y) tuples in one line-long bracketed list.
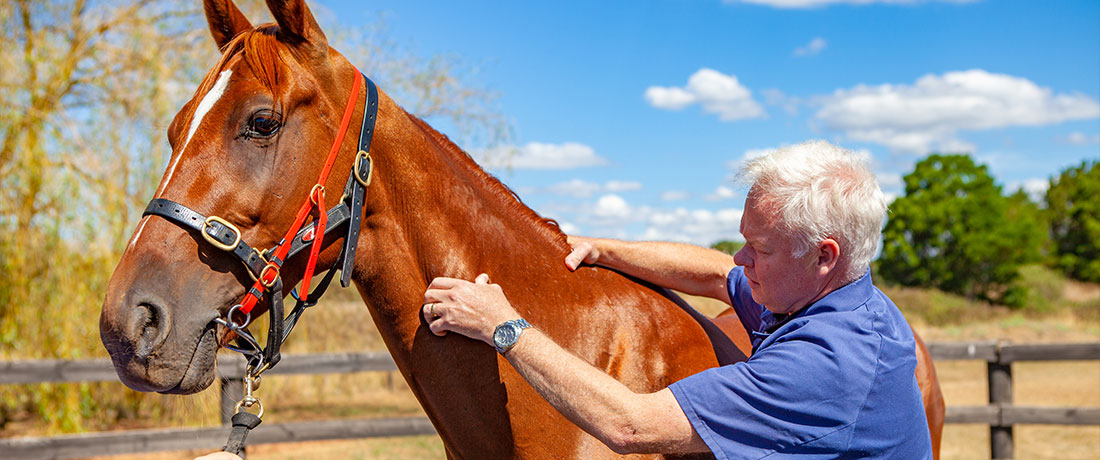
[(207, 102), (205, 105)]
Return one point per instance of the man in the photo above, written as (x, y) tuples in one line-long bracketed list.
[(831, 374)]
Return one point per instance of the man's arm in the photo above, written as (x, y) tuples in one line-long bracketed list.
[(686, 268), (625, 421)]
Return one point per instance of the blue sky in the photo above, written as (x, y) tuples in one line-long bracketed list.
[(629, 117)]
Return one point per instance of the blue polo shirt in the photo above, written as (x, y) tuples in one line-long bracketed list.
[(835, 380)]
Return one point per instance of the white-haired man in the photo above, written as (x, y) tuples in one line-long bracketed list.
[(831, 374)]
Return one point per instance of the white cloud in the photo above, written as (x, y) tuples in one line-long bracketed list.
[(720, 193), (699, 226), (928, 114), (823, 3), (788, 103), (1079, 138), (717, 93), (538, 155), (575, 188), (1036, 188), (622, 186), (889, 180), (569, 228), (578, 188), (612, 216), (674, 195), (611, 206), (669, 98), (814, 47)]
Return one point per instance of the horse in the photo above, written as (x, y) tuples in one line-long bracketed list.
[(244, 151)]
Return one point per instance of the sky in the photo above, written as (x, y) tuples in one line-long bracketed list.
[(630, 118)]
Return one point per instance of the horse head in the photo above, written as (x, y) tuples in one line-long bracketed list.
[(245, 151)]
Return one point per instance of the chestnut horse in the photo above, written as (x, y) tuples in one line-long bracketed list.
[(246, 148)]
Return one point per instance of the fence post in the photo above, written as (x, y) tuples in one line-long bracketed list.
[(1000, 395)]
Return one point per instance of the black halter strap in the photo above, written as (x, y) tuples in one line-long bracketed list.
[(225, 236)]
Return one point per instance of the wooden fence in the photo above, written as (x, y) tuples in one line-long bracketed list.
[(1000, 414)]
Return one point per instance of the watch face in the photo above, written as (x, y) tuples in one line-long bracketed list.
[(505, 336)]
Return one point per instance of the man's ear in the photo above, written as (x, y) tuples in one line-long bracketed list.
[(828, 255)]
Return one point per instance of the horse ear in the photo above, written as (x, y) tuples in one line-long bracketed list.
[(226, 21), (297, 25)]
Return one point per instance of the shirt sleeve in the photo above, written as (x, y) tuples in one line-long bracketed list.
[(784, 398), (748, 311)]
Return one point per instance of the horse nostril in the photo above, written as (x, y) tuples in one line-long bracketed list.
[(147, 329)]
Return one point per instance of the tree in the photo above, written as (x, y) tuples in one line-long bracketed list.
[(952, 230), (727, 246), (87, 89), (1073, 207)]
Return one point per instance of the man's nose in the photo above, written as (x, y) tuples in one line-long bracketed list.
[(741, 257)]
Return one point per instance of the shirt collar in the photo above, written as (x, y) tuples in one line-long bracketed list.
[(847, 298)]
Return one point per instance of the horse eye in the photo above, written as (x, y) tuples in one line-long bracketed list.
[(264, 123)]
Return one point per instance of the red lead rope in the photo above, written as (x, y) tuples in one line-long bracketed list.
[(316, 198)]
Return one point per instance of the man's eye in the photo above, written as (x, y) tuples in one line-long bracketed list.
[(264, 123)]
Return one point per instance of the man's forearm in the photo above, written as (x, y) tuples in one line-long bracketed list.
[(686, 268), (602, 406)]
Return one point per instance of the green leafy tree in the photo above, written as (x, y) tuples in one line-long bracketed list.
[(954, 230), (727, 246), (1073, 207)]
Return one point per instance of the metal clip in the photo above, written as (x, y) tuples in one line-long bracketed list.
[(249, 400)]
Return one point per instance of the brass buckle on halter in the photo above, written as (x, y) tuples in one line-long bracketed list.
[(363, 154), (269, 266), (214, 241)]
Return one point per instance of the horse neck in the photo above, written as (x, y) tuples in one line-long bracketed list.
[(436, 213)]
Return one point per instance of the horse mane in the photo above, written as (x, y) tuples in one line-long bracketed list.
[(547, 227)]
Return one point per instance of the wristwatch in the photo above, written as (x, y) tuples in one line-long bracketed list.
[(507, 333)]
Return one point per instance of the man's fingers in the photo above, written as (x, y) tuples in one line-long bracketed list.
[(482, 279), (437, 327), (443, 282), (581, 252)]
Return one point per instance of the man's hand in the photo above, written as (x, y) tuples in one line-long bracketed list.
[(584, 251), (219, 456), (471, 309)]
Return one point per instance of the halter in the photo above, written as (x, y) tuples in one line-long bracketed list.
[(264, 266)]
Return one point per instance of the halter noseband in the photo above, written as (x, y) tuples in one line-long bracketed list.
[(264, 266)]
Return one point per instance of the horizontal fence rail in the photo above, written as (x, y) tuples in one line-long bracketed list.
[(1000, 414)]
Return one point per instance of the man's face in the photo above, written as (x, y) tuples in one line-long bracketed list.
[(780, 281)]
